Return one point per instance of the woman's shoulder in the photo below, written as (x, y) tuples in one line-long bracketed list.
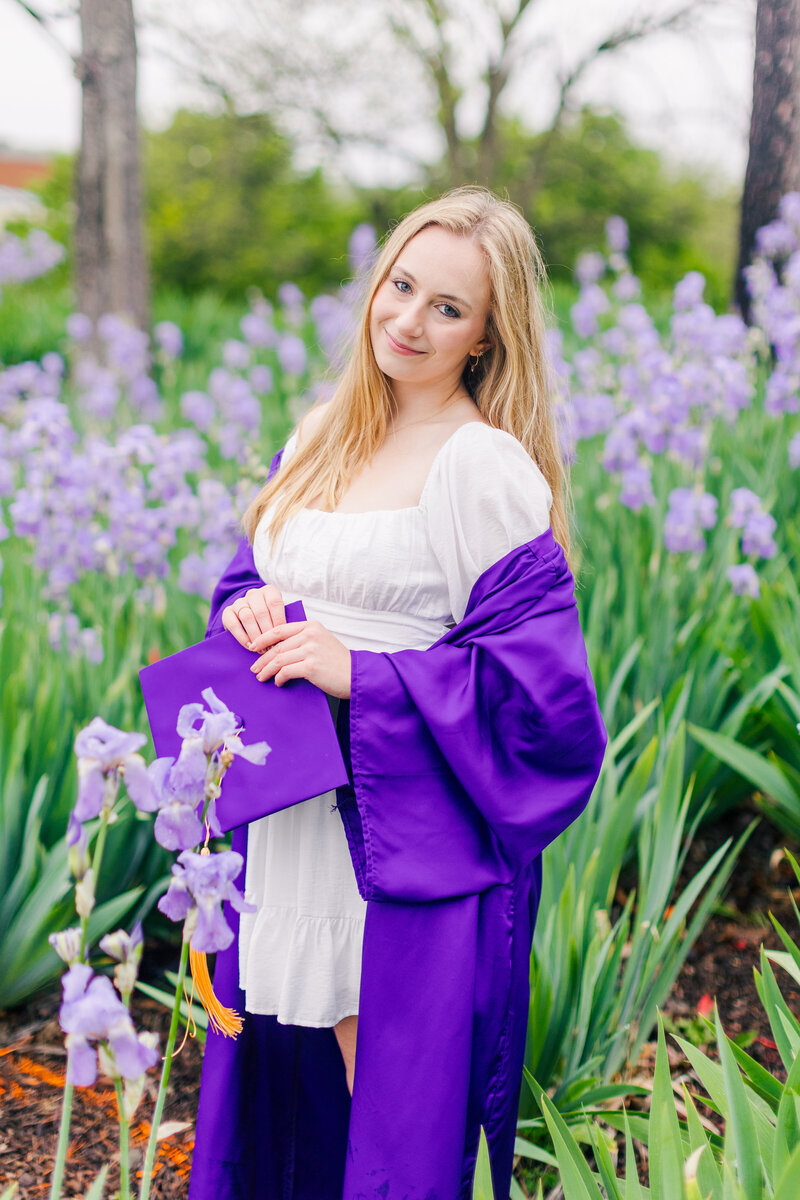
[(487, 457), (310, 422)]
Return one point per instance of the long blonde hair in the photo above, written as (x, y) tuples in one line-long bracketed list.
[(511, 386)]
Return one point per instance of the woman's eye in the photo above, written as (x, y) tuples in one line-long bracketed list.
[(452, 313), (402, 283)]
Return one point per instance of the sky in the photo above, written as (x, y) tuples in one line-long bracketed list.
[(686, 95)]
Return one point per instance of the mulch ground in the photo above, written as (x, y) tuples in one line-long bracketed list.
[(32, 1056)]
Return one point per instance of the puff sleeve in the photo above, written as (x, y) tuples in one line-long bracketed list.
[(485, 496)]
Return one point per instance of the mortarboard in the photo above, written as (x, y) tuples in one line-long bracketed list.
[(294, 720)]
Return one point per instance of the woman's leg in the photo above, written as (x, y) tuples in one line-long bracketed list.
[(346, 1031)]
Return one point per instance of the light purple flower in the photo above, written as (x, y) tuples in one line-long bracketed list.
[(202, 882), (743, 504), (617, 234), (236, 355), (637, 487), (290, 296), (757, 536), (198, 408), (91, 1011), (261, 379), (217, 728), (257, 330), (589, 267), (361, 247), (79, 327), (292, 354), (744, 580), (688, 292), (169, 338)]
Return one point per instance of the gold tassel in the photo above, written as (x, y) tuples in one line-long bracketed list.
[(222, 1020)]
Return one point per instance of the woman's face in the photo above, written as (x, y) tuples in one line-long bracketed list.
[(430, 312)]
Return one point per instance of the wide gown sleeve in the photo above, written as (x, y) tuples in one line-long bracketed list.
[(469, 757)]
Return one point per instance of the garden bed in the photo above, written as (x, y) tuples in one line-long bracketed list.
[(32, 1055)]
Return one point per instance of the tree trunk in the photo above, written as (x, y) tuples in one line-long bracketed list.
[(110, 262), (773, 166)]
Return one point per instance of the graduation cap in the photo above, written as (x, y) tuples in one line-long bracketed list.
[(295, 720)]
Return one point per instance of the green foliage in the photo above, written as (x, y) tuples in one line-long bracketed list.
[(227, 210), (758, 1158), (596, 986), (590, 170)]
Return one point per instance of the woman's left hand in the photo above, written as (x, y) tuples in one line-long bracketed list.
[(303, 650)]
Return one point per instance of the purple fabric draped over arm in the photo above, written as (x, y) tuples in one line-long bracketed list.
[(471, 756)]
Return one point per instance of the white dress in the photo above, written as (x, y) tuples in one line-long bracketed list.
[(383, 580)]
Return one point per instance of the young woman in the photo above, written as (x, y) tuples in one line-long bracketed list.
[(419, 516)]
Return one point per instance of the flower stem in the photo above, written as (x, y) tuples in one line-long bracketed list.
[(97, 858), (63, 1142), (124, 1146), (147, 1170)]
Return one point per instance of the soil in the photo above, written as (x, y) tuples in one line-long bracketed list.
[(720, 965)]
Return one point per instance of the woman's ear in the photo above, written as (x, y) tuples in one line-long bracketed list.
[(481, 347)]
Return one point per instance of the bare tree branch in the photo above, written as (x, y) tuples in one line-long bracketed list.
[(44, 21)]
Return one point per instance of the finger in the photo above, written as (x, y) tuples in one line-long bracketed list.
[(275, 606), (276, 634), (262, 616), (280, 662), (295, 670), (292, 643), (231, 622), (248, 620)]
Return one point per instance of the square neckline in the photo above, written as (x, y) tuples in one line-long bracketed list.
[(408, 508)]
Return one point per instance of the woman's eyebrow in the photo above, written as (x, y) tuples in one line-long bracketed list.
[(443, 295)]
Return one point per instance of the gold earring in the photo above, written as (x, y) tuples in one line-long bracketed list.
[(473, 365)]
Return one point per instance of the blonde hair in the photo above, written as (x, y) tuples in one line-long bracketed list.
[(511, 385)]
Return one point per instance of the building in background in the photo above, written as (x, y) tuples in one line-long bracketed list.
[(18, 169)]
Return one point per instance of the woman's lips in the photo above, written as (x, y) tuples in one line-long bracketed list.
[(398, 347)]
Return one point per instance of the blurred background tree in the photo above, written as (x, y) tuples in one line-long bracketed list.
[(226, 208)]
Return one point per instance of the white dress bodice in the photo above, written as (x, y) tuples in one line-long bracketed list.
[(384, 580)]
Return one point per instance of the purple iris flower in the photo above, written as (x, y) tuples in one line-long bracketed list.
[(292, 354), (236, 355), (91, 1011), (757, 536), (202, 882), (177, 825), (217, 727), (257, 330), (169, 338), (689, 513), (617, 234), (103, 752), (744, 504), (361, 247), (743, 580), (589, 267), (688, 292), (637, 488)]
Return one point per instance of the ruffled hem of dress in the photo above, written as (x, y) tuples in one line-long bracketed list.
[(316, 954)]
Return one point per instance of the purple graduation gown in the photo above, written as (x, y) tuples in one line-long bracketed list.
[(465, 760)]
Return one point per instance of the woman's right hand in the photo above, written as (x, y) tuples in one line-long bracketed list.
[(254, 613)]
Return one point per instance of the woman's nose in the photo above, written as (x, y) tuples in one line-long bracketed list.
[(409, 319)]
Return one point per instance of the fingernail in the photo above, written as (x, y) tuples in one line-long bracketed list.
[(249, 645)]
